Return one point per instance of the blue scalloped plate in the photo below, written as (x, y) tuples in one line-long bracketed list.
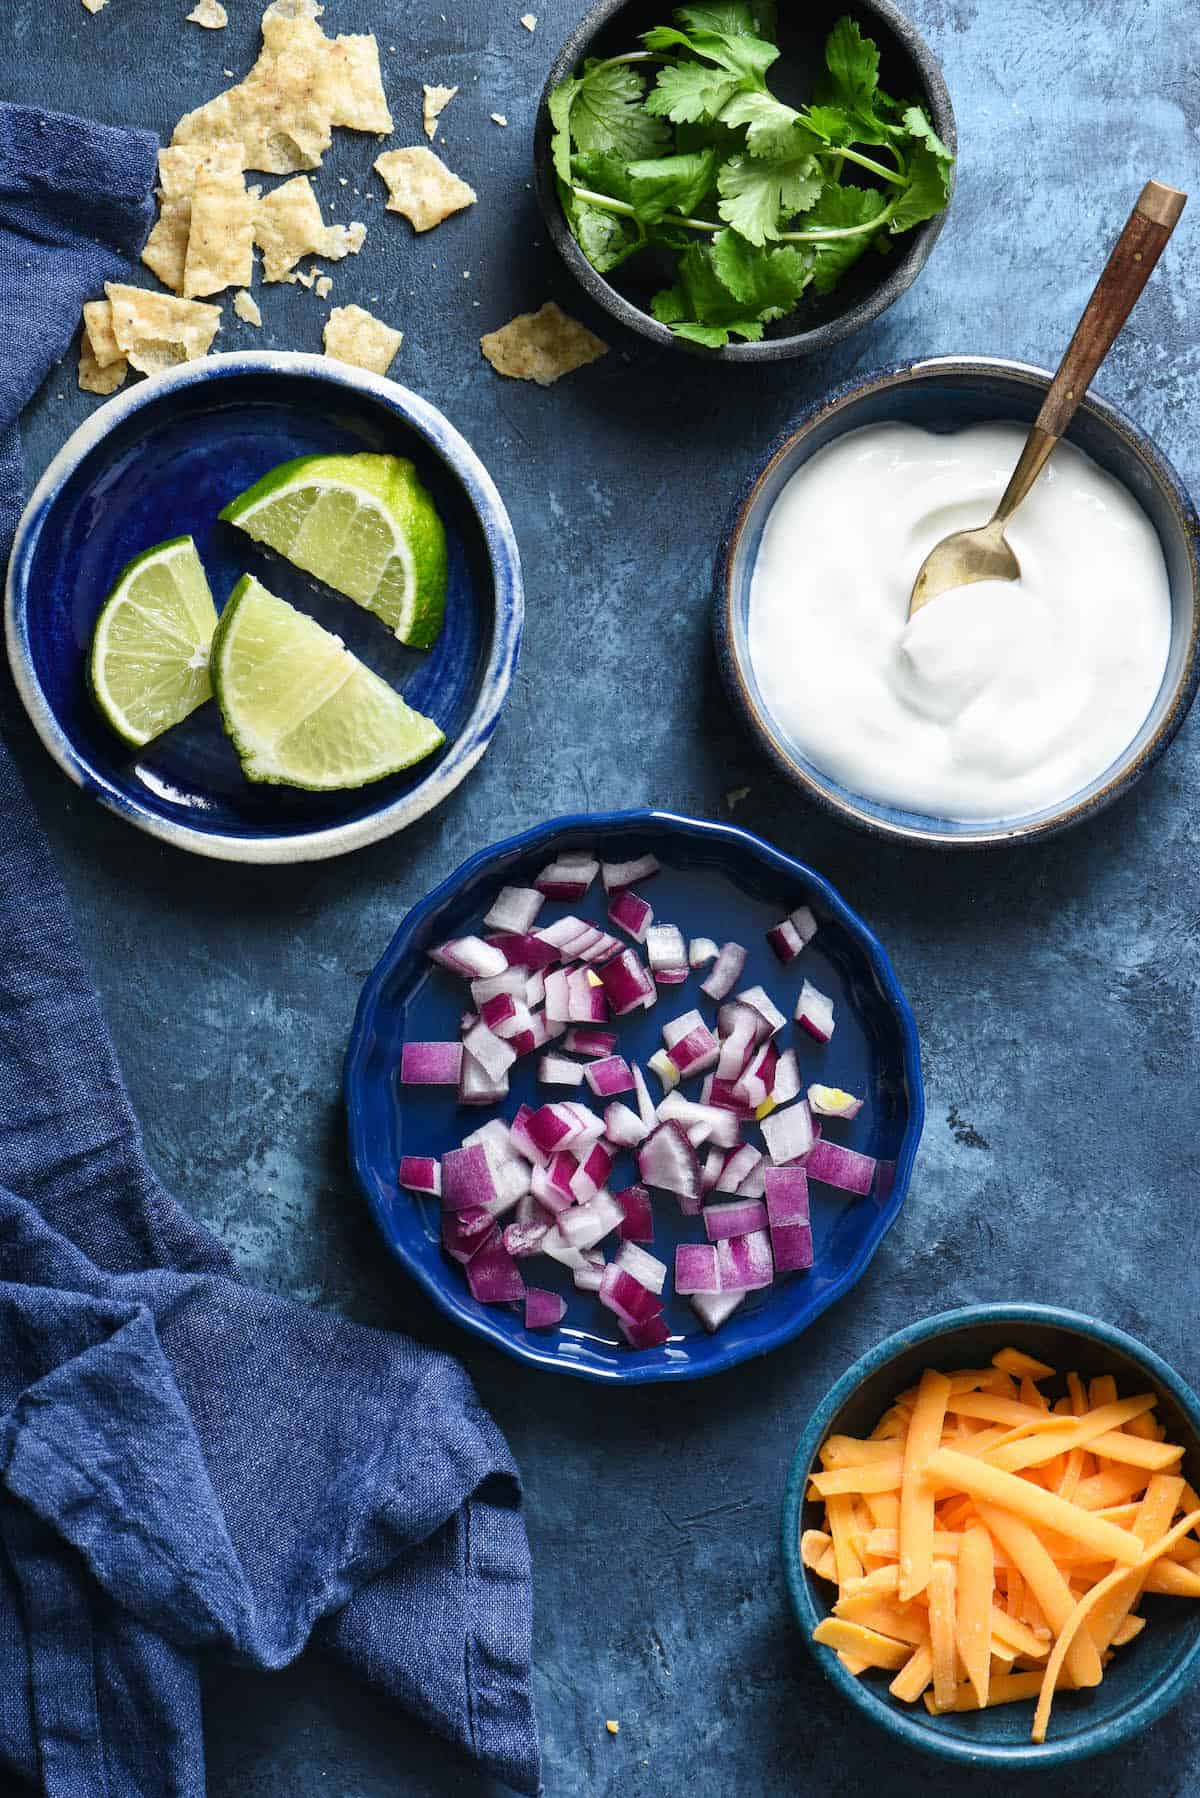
[(160, 461), (715, 881)]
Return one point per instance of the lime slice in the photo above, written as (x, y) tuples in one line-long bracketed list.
[(149, 660), (362, 524), (302, 711)]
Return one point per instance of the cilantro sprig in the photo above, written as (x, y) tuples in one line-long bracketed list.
[(682, 146)]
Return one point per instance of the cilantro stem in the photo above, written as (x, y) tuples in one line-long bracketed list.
[(816, 234), (866, 162)]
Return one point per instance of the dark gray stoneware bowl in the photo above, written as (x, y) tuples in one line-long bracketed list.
[(946, 394), (1144, 1678), (908, 69)]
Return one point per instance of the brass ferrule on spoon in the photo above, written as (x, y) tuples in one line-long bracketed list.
[(984, 554)]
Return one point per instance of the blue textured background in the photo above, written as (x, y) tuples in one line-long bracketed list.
[(1057, 991)]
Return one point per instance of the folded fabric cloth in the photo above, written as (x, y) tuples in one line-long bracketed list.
[(187, 1464)]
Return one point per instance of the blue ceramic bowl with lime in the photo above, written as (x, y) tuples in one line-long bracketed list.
[(1144, 1678), (714, 881)]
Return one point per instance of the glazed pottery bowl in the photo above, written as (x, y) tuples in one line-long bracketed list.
[(160, 460), (1143, 1678), (714, 881), (947, 394), (908, 68)]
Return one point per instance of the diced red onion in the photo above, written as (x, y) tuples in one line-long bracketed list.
[(754, 1186), (603, 949), (647, 1269), (724, 1093), (631, 913), (469, 956), (464, 1231), (711, 1170), (581, 1040), (563, 932), (626, 983), (713, 1309), (522, 1141), (583, 1226), (547, 1190), (535, 989), (543, 1310), (467, 1178), (556, 1070), (421, 1173), (589, 1274), (627, 1297), (702, 950), (814, 1012), (758, 1078), (651, 1334), (558, 1249), (517, 1028), (493, 1275), (666, 952), (512, 981), (493, 1054), (787, 1195), (468, 1021), (791, 1247), (591, 1171), (787, 1078), (561, 1173), (834, 1166), (738, 1168), (762, 1002), (638, 1214), (788, 1133), (741, 1028), (734, 1217), (668, 1160), (610, 1076), (558, 996), (744, 1262), (569, 876), (788, 937), (431, 1064), (695, 1052), (719, 1126), (586, 1000), (831, 1102), (645, 1103), (524, 1239), (539, 1033), (665, 1068), (623, 1127), (617, 875), (514, 909), (525, 950), (512, 1185), (696, 1268), (551, 1127), (726, 971), (500, 1009), (590, 1127)]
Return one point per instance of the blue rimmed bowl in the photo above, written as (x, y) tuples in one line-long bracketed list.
[(160, 461), (1144, 1678), (715, 881), (947, 394)]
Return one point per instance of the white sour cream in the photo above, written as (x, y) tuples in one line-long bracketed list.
[(998, 700)]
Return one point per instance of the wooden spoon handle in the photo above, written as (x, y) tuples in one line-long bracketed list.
[(1116, 293)]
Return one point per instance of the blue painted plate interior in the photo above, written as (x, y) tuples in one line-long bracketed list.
[(708, 886), (946, 403), (1172, 1624), (166, 471)]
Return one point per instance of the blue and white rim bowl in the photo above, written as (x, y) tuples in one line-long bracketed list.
[(946, 393), (445, 444)]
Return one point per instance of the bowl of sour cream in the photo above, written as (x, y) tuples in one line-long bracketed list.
[(1004, 710)]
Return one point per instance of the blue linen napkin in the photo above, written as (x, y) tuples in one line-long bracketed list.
[(187, 1464)]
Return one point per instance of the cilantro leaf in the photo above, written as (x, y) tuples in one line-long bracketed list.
[(559, 106), (715, 337), (692, 93), (853, 64), (839, 208), (832, 124), (602, 110), (758, 196), (747, 57), (915, 121), (670, 183), (927, 192), (728, 287), (768, 282), (605, 239), (729, 18), (772, 129)]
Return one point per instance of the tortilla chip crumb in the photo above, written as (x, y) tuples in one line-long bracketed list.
[(355, 336), (421, 187), (98, 329), (542, 346), (612, 1726), (246, 307), (288, 226), (529, 20), (324, 287), (209, 13), (156, 330), (93, 378), (94, 6), (434, 105), (498, 118)]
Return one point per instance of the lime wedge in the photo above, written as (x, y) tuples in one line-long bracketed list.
[(149, 660), (362, 524), (301, 710)]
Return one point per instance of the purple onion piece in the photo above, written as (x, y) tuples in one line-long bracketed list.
[(647, 1269), (582, 1040), (833, 1165), (524, 1239), (421, 1173), (463, 1231), (543, 1310), (627, 984), (726, 971), (431, 1064), (651, 1334), (608, 1077), (638, 1225), (469, 956), (467, 1179), (738, 1168), (583, 1226), (791, 1247), (762, 1003), (525, 950), (814, 1012), (702, 950), (733, 1217), (631, 913), (745, 1263), (696, 1268), (493, 1275), (627, 1297)]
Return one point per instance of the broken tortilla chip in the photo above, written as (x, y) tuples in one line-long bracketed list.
[(220, 249), (421, 187), (542, 346), (324, 287), (209, 13), (98, 329), (433, 106), (246, 307), (156, 330), (353, 335), (288, 226), (356, 85), (179, 170), (94, 6), (93, 378)]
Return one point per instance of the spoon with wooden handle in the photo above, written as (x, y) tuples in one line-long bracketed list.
[(984, 554)]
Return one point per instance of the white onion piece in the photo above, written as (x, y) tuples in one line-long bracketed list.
[(814, 1012), (765, 1006), (493, 1054), (645, 1103), (583, 1226), (569, 876), (666, 951), (702, 950), (623, 1127), (512, 981), (556, 1070), (617, 875), (720, 1127), (667, 1159), (738, 1167), (787, 1078), (726, 971), (476, 1086), (469, 956), (558, 997), (788, 1134), (647, 1269), (715, 1308), (558, 1248), (665, 1068), (514, 910)]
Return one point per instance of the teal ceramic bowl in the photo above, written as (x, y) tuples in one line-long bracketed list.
[(1144, 1678)]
